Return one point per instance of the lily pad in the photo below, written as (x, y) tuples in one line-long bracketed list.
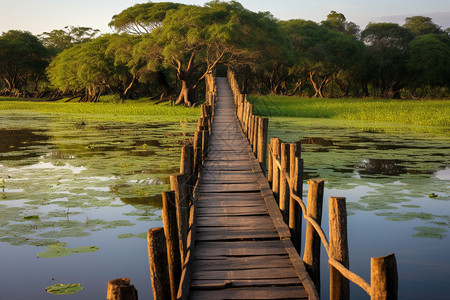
[(64, 289), (60, 250), (429, 232)]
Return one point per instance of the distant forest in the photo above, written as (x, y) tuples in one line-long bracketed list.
[(164, 51)]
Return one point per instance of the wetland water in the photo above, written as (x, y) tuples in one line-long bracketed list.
[(397, 187), (72, 183), (97, 185)]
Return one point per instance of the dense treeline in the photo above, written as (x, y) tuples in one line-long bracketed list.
[(164, 50)]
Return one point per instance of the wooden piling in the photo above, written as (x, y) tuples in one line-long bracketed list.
[(384, 278), (205, 141), (338, 247), (187, 168), (296, 183), (177, 184), (276, 171), (284, 184), (170, 225), (263, 126), (157, 257), (270, 162), (121, 289), (311, 254)]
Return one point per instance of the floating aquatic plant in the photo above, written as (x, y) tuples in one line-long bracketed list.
[(60, 250), (64, 289)]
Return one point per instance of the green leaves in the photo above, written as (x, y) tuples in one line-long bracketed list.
[(64, 289), (60, 250)]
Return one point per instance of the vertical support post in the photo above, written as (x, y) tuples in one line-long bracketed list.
[(276, 172), (311, 254), (284, 184), (169, 217), (384, 278), (177, 184), (255, 135), (186, 168), (157, 257), (270, 162), (296, 183), (263, 126), (197, 153), (121, 289), (205, 141), (339, 285)]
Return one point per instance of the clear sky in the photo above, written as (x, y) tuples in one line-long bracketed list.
[(38, 16)]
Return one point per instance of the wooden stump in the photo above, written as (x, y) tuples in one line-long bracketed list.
[(121, 289)]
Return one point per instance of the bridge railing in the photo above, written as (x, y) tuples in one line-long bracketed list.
[(170, 247), (284, 173)]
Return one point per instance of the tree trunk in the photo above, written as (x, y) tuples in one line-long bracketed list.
[(187, 94)]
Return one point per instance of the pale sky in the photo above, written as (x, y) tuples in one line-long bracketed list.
[(38, 16)]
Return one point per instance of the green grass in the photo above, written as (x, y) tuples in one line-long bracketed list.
[(135, 111), (410, 112)]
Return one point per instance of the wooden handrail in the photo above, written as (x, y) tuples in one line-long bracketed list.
[(280, 178), (355, 278)]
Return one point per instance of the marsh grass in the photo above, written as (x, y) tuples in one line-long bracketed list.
[(410, 112), (135, 111)]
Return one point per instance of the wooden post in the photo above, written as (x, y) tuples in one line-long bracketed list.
[(384, 278), (121, 289), (205, 141), (197, 153), (339, 285), (157, 257), (296, 183), (177, 184), (186, 168), (311, 254), (276, 172), (263, 126), (284, 184), (169, 217), (270, 161), (255, 135)]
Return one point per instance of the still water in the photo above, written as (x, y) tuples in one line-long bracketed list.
[(77, 200), (397, 187), (79, 197)]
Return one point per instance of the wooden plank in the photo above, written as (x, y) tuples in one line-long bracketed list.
[(220, 235), (261, 273), (201, 284), (260, 293), (242, 263)]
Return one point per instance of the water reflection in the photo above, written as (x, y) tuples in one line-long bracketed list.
[(390, 167)]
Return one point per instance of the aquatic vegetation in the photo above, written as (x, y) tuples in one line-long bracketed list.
[(60, 250), (429, 232), (64, 289)]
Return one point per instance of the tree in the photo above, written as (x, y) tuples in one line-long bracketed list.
[(94, 66), (429, 60), (59, 39), (192, 40), (338, 22), (420, 25), (22, 58), (321, 53), (142, 18), (386, 44)]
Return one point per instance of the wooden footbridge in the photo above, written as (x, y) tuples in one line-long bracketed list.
[(230, 233)]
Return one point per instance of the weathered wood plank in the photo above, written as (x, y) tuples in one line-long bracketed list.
[(252, 293)]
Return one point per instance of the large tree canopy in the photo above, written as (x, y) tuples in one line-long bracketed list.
[(91, 67), (192, 40), (22, 58)]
